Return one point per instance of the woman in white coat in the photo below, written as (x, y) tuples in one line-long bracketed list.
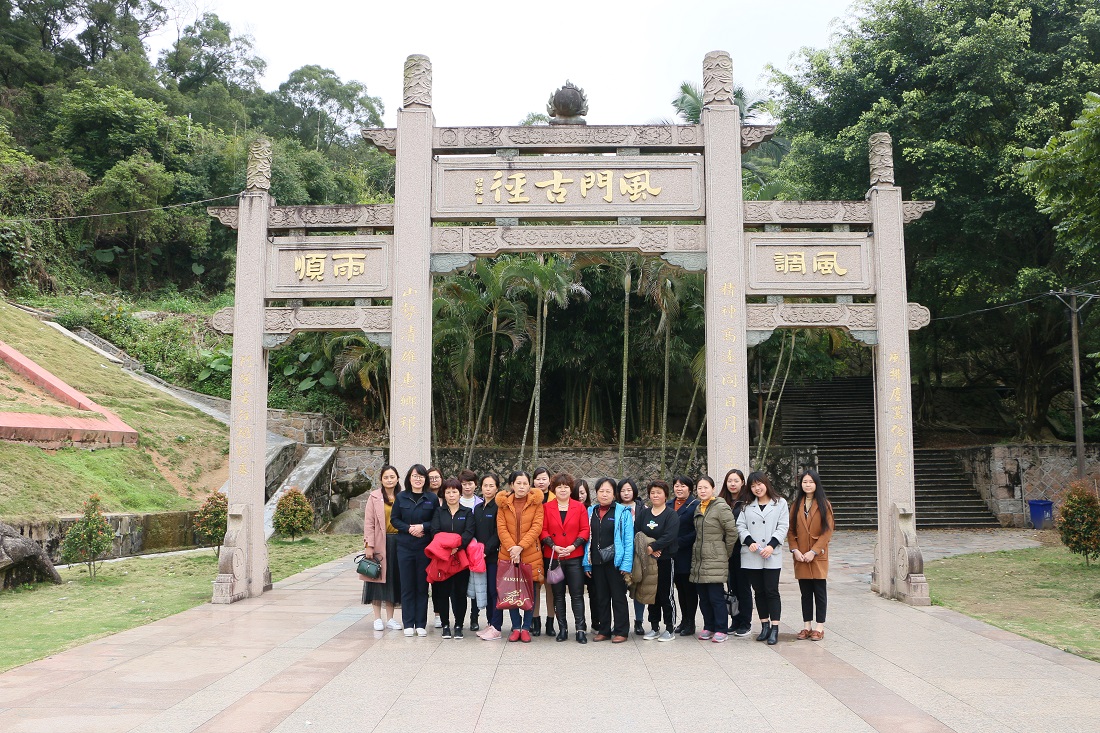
[(762, 526)]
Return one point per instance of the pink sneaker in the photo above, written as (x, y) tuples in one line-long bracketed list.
[(490, 634), (705, 635), (719, 638)]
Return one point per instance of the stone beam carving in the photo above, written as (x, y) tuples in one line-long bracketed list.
[(717, 79), (314, 217), (385, 139), (373, 319), (488, 241), (852, 316), (418, 81), (258, 175), (823, 212), (754, 135), (882, 159)]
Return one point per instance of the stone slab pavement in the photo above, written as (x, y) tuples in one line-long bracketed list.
[(304, 657)]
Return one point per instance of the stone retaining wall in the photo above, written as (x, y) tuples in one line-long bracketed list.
[(135, 534), (1007, 476)]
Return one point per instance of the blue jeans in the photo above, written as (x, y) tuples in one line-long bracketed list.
[(494, 615), (516, 623), (712, 602), (413, 565)]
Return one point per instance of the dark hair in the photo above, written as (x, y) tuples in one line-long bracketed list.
[(493, 476), (624, 483), (564, 478), (449, 483), (601, 482), (396, 488), (433, 469), (658, 484), (516, 474), (418, 469), (759, 477), (587, 501), (819, 496), (685, 480), (537, 471), (706, 478), (467, 475), (724, 492)]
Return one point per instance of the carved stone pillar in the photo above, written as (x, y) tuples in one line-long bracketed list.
[(899, 567), (727, 360), (242, 568), (411, 344)]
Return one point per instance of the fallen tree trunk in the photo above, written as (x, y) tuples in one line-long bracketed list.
[(22, 560)]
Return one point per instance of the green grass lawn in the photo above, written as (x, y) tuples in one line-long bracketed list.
[(44, 619), (182, 452), (1046, 594)]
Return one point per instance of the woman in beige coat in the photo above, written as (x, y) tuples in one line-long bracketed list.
[(380, 541), (811, 528)]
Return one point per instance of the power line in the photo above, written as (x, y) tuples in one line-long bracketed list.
[(117, 213), (1073, 290)]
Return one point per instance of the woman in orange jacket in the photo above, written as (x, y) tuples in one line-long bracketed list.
[(519, 526)]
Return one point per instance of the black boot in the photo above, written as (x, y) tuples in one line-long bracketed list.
[(458, 632), (473, 622), (536, 626), (639, 630), (550, 626), (765, 629), (773, 636), (582, 638), (563, 633)]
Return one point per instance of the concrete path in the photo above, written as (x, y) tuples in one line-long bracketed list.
[(304, 657)]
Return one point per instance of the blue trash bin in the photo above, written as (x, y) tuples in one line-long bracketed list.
[(1042, 513)]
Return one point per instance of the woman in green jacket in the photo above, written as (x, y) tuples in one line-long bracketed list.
[(715, 538)]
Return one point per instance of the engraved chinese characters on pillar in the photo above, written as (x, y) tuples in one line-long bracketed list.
[(406, 355), (882, 159), (418, 81), (259, 165), (898, 424), (728, 345), (717, 79)]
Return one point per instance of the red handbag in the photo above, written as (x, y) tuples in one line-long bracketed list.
[(515, 586)]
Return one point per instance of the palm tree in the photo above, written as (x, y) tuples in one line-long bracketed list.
[(551, 279), (658, 282), (356, 357)]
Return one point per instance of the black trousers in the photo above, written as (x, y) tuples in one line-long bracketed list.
[(741, 588), (612, 612), (413, 564), (450, 595), (765, 586), (494, 616), (813, 594), (574, 582), (665, 607), (689, 600), (712, 601)]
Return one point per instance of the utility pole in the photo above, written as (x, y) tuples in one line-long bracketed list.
[(1078, 420)]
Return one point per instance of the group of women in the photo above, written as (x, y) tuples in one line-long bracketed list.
[(694, 546)]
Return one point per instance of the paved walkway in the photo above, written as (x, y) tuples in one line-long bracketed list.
[(304, 657)]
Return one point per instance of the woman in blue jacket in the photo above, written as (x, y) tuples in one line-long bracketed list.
[(412, 514), (608, 557), (683, 503)]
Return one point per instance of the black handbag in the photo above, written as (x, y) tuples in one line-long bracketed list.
[(368, 566), (607, 554)]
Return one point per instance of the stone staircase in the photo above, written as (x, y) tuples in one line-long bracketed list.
[(837, 416)]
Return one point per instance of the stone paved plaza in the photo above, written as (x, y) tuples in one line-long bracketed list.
[(304, 657)]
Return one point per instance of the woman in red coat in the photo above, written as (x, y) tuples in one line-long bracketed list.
[(564, 534)]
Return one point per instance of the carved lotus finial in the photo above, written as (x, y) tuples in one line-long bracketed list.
[(568, 105), (418, 81), (882, 159), (258, 175)]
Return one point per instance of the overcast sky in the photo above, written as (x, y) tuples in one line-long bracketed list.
[(494, 61)]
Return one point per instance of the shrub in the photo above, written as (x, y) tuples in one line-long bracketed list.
[(211, 520), (293, 514), (1079, 521), (89, 538)]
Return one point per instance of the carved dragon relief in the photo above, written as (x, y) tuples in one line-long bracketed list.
[(853, 316), (314, 217), (329, 318), (490, 240)]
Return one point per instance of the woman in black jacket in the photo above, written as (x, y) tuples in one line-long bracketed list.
[(662, 524), (737, 494), (453, 518), (684, 504), (485, 532), (412, 514)]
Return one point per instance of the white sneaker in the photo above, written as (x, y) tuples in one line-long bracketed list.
[(393, 624), (422, 632), (650, 635), (438, 623), (665, 636), (378, 625), (409, 632)]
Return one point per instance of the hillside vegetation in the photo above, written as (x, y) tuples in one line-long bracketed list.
[(181, 456)]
